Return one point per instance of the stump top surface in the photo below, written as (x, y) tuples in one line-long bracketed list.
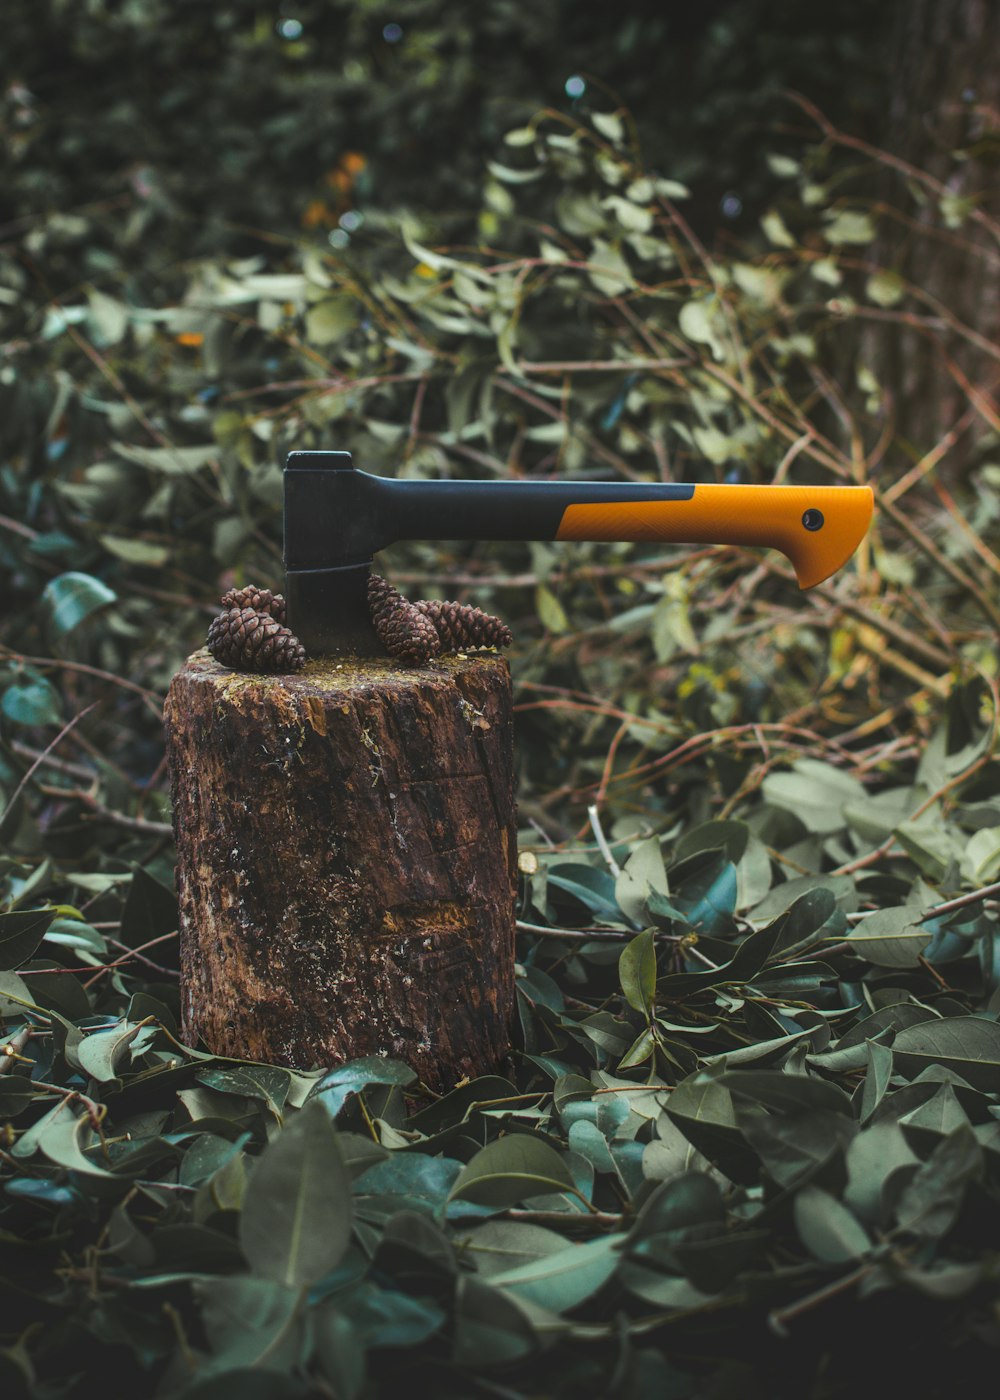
[(347, 674)]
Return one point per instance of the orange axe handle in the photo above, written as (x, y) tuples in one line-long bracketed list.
[(817, 527)]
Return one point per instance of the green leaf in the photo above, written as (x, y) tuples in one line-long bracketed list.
[(932, 1198), (329, 321), (102, 1053), (633, 218), (32, 701), (460, 1103), (508, 175), (336, 1087), (640, 1050), (498, 1246), (610, 125), (296, 1220), (21, 934), (785, 167), (872, 1158), (702, 1109), (793, 1148), (748, 960), (550, 611), (267, 1082), (664, 1292), (135, 551), (246, 1320), (170, 461), (340, 1360), (982, 855), (828, 1229), (877, 1078), (107, 319), (637, 972), (781, 898), (594, 888), (825, 270), (890, 938), (16, 1092), (969, 1045), (939, 1116), (511, 1169), (381, 1318), (690, 1199), (786, 1093), (520, 136), (753, 874), (671, 189), (776, 230), (586, 1139), (705, 891), (72, 598), (802, 920), (931, 845), (642, 873), (729, 836), (413, 1178), (697, 322), (885, 288), (490, 1327), (815, 792), (564, 1280), (64, 1140), (150, 909), (848, 226), (207, 1155)]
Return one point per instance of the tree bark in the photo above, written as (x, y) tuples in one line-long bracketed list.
[(943, 117), (346, 845)]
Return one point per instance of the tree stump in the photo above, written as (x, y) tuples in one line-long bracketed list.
[(346, 846)]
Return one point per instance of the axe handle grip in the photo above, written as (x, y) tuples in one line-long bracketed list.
[(817, 527)]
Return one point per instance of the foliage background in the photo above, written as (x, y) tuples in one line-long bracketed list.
[(755, 1094)]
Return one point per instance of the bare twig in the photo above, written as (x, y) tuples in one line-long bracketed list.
[(602, 840), (97, 811), (58, 664), (133, 954), (44, 754)]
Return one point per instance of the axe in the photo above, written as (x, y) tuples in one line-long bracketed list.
[(337, 518)]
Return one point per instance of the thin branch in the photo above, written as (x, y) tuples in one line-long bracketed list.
[(44, 754), (57, 663), (132, 953), (99, 812), (962, 901)]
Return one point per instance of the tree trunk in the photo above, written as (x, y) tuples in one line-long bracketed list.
[(346, 847), (944, 118)]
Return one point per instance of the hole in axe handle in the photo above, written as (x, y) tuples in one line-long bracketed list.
[(328, 610)]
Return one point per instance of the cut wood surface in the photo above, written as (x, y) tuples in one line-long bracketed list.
[(346, 844)]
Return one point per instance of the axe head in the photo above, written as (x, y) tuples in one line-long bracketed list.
[(330, 537)]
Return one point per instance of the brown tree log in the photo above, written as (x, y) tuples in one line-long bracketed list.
[(346, 847)]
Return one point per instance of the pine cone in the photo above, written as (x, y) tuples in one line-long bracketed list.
[(260, 599), (461, 626), (247, 640), (401, 628)]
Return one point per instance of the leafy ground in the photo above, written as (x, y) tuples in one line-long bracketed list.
[(748, 1141)]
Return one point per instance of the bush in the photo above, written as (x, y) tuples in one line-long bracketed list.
[(755, 1094)]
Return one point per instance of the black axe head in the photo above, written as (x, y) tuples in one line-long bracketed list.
[(330, 536)]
